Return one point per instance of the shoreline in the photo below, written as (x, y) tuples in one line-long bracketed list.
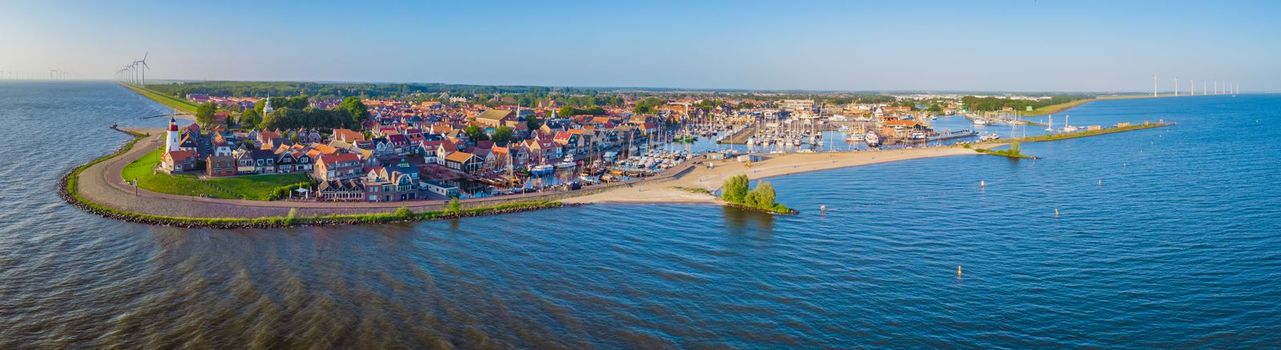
[(69, 189), (695, 184), (97, 187), (676, 190)]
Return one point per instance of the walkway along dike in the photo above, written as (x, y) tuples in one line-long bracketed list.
[(70, 189)]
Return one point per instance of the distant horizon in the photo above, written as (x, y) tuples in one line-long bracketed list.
[(1163, 93), (927, 45)]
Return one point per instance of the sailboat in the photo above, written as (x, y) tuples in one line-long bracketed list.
[(1050, 126), (1068, 127)]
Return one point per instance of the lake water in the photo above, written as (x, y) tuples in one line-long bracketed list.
[(1166, 238)]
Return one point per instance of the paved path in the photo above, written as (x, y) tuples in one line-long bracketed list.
[(102, 183)]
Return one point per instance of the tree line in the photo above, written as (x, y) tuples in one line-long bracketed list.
[(975, 103), (292, 112)]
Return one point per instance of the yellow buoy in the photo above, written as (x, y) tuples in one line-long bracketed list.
[(958, 271)]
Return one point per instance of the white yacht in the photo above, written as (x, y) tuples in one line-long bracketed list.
[(872, 139)]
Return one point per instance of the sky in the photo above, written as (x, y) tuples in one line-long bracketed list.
[(1023, 45)]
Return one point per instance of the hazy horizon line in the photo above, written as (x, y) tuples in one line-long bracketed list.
[(1164, 93)]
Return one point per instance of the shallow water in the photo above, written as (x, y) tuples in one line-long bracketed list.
[(1166, 238)]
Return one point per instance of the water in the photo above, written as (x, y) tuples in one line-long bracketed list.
[(1176, 248)]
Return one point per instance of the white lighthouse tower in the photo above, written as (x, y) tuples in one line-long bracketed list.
[(171, 136)]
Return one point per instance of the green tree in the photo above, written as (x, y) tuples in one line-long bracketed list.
[(356, 111), (205, 113), (455, 209), (475, 133), (503, 135), (533, 123), (569, 111), (735, 189), (762, 197), (649, 105), (403, 213), (249, 119)]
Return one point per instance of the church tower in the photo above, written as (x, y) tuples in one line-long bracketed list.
[(171, 136), (266, 108)]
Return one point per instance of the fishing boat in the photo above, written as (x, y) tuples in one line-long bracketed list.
[(947, 135), (872, 139), (541, 170)]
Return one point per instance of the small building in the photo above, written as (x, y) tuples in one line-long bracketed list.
[(464, 162), (220, 165), (494, 118), (348, 135), (441, 189), (342, 166), (178, 161), (340, 190)]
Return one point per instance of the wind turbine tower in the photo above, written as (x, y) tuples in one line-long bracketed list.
[(1176, 86), (1154, 85), (142, 72)]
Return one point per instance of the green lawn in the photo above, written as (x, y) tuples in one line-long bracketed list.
[(1055, 108), (255, 187), (181, 105)]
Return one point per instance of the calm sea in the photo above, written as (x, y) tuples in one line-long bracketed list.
[(1165, 238)]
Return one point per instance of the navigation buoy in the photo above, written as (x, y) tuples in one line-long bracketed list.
[(958, 271), (1056, 212)]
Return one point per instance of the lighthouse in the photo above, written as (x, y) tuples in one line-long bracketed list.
[(171, 136)]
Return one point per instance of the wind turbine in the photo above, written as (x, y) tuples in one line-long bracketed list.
[(142, 72)]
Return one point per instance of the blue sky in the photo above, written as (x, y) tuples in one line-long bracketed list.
[(842, 45)]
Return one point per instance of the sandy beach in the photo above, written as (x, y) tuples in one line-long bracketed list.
[(675, 190)]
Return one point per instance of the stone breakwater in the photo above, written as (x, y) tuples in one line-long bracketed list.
[(281, 222)]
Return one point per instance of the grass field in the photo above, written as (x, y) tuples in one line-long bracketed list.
[(178, 104), (1055, 108), (255, 187)]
